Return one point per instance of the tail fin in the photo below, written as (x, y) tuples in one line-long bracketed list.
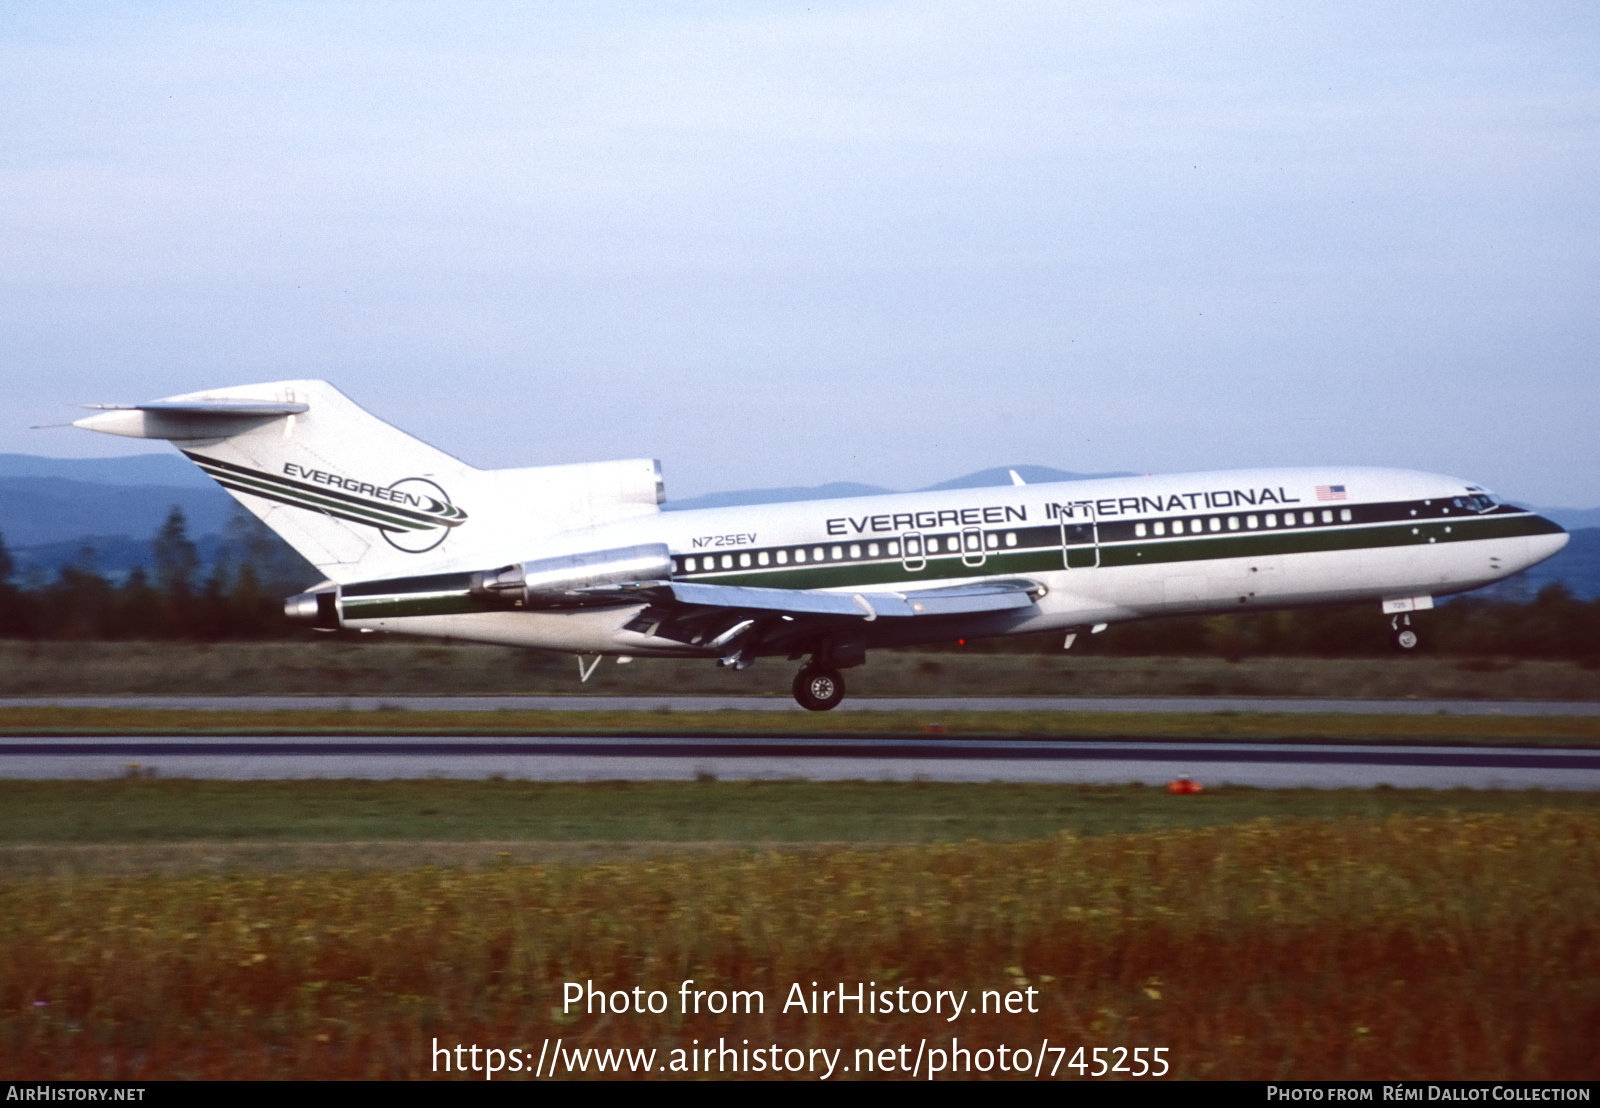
[(361, 499)]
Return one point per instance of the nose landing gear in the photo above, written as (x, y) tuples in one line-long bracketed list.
[(818, 687), (1402, 635)]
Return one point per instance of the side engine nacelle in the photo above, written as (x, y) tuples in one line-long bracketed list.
[(565, 581), (569, 581), (319, 607)]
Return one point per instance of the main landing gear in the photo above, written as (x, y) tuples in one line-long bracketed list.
[(1402, 635), (818, 687)]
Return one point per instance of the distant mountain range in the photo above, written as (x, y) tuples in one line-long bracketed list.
[(841, 490), (51, 509), (134, 469)]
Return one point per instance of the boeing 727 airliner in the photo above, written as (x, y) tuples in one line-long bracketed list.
[(580, 558)]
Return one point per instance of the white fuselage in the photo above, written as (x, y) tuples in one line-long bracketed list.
[(1105, 551)]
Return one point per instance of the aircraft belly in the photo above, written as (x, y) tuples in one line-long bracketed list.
[(584, 630)]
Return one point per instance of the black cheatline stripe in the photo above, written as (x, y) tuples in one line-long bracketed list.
[(238, 471), (1165, 551), (1317, 540), (401, 517), (296, 500), (371, 517), (316, 500), (404, 586), (398, 607)]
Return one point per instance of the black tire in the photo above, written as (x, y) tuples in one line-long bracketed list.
[(1405, 640), (818, 688)]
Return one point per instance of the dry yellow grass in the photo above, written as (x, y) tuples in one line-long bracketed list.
[(1438, 947)]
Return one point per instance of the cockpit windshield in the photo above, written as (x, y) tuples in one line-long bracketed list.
[(1476, 502)]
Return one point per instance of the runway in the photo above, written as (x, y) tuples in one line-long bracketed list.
[(785, 704), (570, 759)]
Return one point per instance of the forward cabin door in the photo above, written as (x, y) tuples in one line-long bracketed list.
[(1080, 536), (913, 554)]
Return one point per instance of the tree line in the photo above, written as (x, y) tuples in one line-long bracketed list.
[(1553, 624), (241, 598)]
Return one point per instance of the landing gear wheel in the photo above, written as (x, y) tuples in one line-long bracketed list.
[(818, 688), (1404, 638)]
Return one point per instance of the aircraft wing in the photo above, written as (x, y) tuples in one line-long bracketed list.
[(718, 614), (731, 616), (990, 596)]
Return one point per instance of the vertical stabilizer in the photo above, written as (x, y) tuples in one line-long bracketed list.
[(361, 499), (354, 495)]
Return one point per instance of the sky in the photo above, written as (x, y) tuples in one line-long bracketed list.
[(786, 244)]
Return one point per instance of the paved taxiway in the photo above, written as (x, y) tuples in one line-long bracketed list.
[(855, 704), (572, 759)]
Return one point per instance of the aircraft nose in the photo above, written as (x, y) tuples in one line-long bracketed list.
[(1551, 538)]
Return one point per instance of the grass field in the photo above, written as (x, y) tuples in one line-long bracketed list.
[(154, 928), (338, 667), (1405, 947), (1493, 730), (733, 814)]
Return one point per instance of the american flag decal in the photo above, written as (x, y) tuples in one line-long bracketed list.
[(1330, 492)]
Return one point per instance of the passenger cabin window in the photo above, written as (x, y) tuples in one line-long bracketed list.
[(1233, 523), (1011, 538), (1344, 514), (1308, 517), (799, 554), (688, 564), (1160, 528), (1138, 530), (1216, 523), (837, 553), (1252, 522), (855, 550), (816, 553), (783, 557), (727, 561), (1196, 526), (1272, 519), (992, 541), (761, 558), (894, 549), (1327, 515), (872, 550), (744, 560)]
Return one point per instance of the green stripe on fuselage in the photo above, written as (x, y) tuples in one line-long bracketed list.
[(1044, 559), (430, 599), (422, 604)]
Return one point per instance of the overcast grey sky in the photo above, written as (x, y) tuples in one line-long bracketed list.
[(780, 244)]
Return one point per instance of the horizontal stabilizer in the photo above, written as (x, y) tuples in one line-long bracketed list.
[(205, 407), (189, 419)]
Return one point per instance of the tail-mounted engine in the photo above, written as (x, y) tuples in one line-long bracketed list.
[(593, 577), (572, 580), (319, 607)]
